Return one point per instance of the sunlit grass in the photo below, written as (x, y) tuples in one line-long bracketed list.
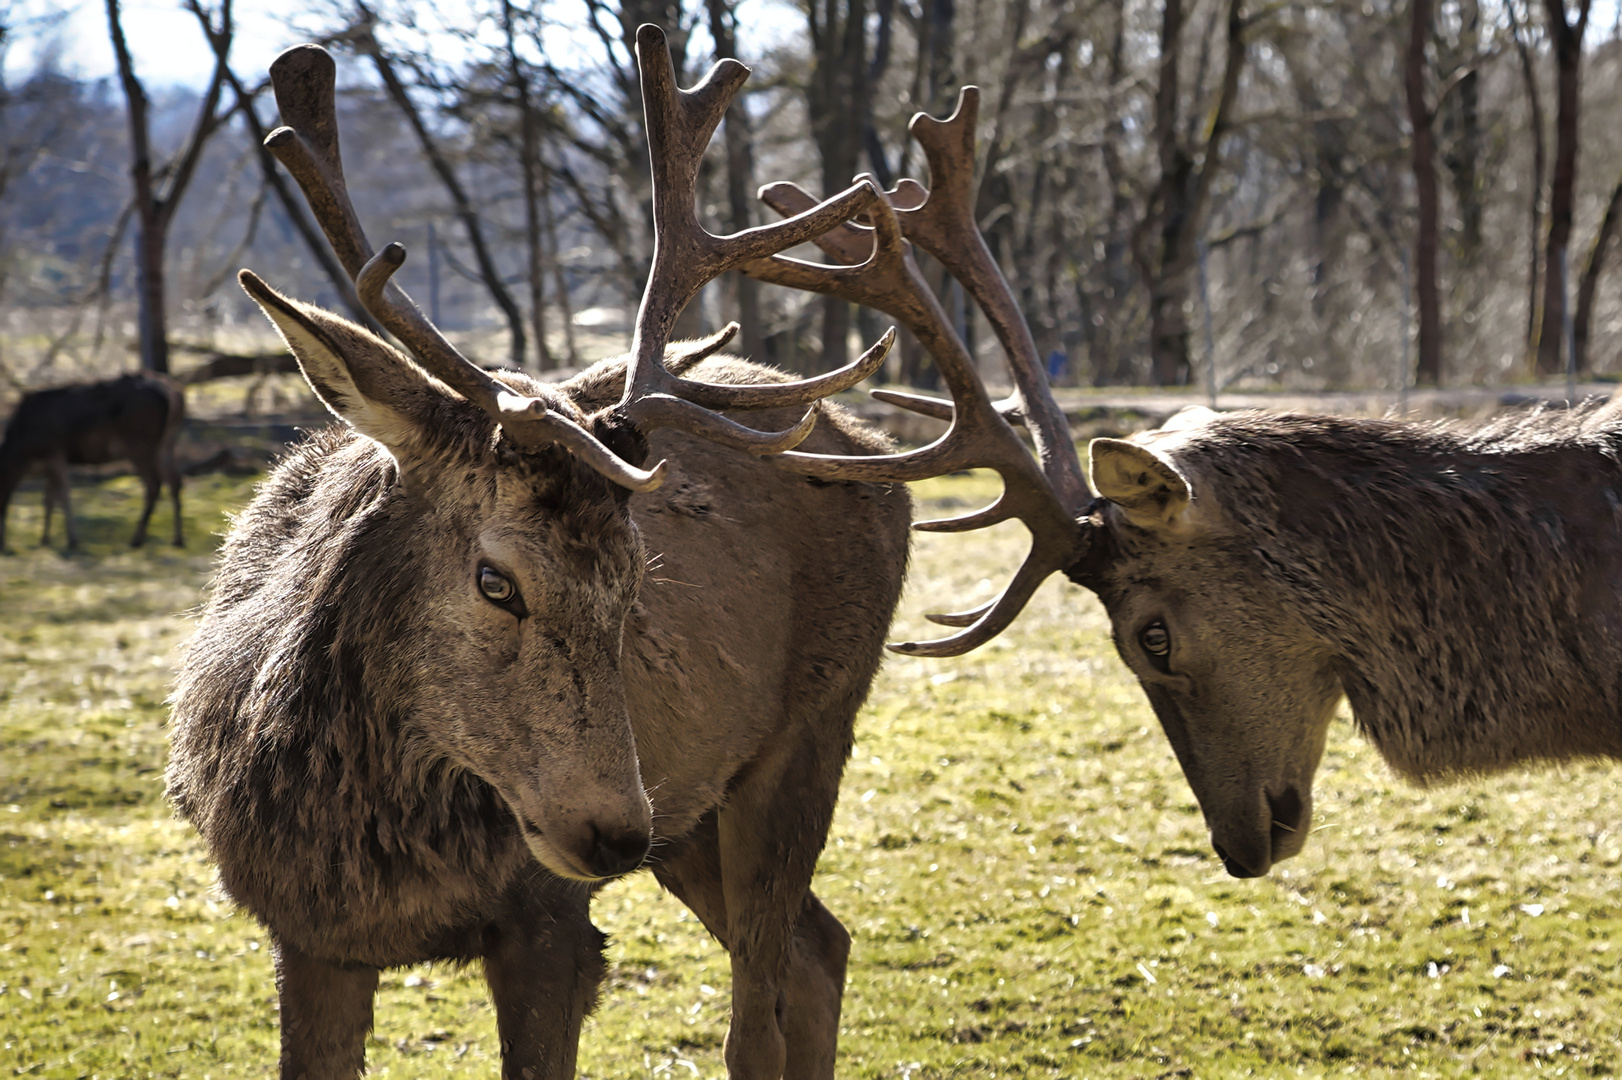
[(1022, 867)]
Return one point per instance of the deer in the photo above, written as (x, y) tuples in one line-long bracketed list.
[(1460, 587), (134, 418), (468, 656)]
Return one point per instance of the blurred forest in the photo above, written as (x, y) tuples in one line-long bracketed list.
[(1229, 193)]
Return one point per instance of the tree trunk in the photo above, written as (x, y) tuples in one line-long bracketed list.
[(740, 169), (1568, 54), (155, 209), (835, 95), (529, 152), (1582, 323), (1535, 103), (1429, 369), (1168, 236)]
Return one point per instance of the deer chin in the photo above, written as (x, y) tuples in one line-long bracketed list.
[(554, 857)]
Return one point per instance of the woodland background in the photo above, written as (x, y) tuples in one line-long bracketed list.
[(1250, 193)]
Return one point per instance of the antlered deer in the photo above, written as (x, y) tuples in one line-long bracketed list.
[(1459, 587), (133, 417), (451, 642)]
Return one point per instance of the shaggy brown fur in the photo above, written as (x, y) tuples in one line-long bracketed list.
[(360, 751), (1459, 586)]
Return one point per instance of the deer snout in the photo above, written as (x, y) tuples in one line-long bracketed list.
[(1279, 831), (590, 848)]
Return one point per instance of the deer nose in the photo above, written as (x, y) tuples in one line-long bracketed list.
[(617, 851)]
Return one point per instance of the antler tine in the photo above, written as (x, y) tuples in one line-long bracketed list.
[(686, 256), (944, 225), (305, 78)]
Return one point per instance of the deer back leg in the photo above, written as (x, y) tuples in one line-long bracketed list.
[(171, 476), (326, 1012), (808, 1003), (746, 872), (544, 963), (152, 484), (50, 507)]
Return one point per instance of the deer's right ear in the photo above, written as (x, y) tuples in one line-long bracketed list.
[(1145, 485), (364, 381)]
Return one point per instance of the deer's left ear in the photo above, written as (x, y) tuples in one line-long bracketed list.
[(364, 381), (1146, 486)]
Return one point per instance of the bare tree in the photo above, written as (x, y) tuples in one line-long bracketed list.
[(1166, 241), (362, 37), (158, 190), (1429, 370), (1567, 37)]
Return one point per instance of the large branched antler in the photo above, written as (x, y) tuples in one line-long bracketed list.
[(304, 78), (877, 270), (686, 257)]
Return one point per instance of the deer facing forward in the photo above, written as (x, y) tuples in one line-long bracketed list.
[(435, 673)]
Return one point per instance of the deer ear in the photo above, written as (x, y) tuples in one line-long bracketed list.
[(1145, 485), (364, 381)]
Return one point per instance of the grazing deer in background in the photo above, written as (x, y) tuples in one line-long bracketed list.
[(133, 418), (1462, 588), (452, 640)]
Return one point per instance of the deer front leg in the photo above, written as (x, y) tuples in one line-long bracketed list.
[(57, 487), (544, 963), (326, 1015)]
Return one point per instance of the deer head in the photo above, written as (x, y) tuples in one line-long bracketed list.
[(512, 562)]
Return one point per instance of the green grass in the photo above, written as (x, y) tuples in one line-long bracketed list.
[(1021, 865)]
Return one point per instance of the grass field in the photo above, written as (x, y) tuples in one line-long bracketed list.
[(1020, 863)]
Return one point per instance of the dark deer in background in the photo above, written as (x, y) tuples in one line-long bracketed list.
[(1462, 588), (450, 643), (133, 418)]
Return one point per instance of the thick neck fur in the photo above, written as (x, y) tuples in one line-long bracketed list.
[(1465, 581), (312, 615)]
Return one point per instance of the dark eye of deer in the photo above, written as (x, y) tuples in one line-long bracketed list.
[(1156, 640), (495, 585)]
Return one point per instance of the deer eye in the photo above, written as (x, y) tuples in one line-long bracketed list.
[(496, 586), (1156, 639)]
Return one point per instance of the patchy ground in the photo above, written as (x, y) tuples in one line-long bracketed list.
[(1021, 865)]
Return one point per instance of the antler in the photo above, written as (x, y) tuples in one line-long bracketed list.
[(879, 271), (686, 257), (304, 79)]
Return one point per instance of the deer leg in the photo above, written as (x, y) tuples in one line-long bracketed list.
[(326, 1015), (544, 963), (171, 476), (153, 483), (57, 480), (814, 992), (50, 506)]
